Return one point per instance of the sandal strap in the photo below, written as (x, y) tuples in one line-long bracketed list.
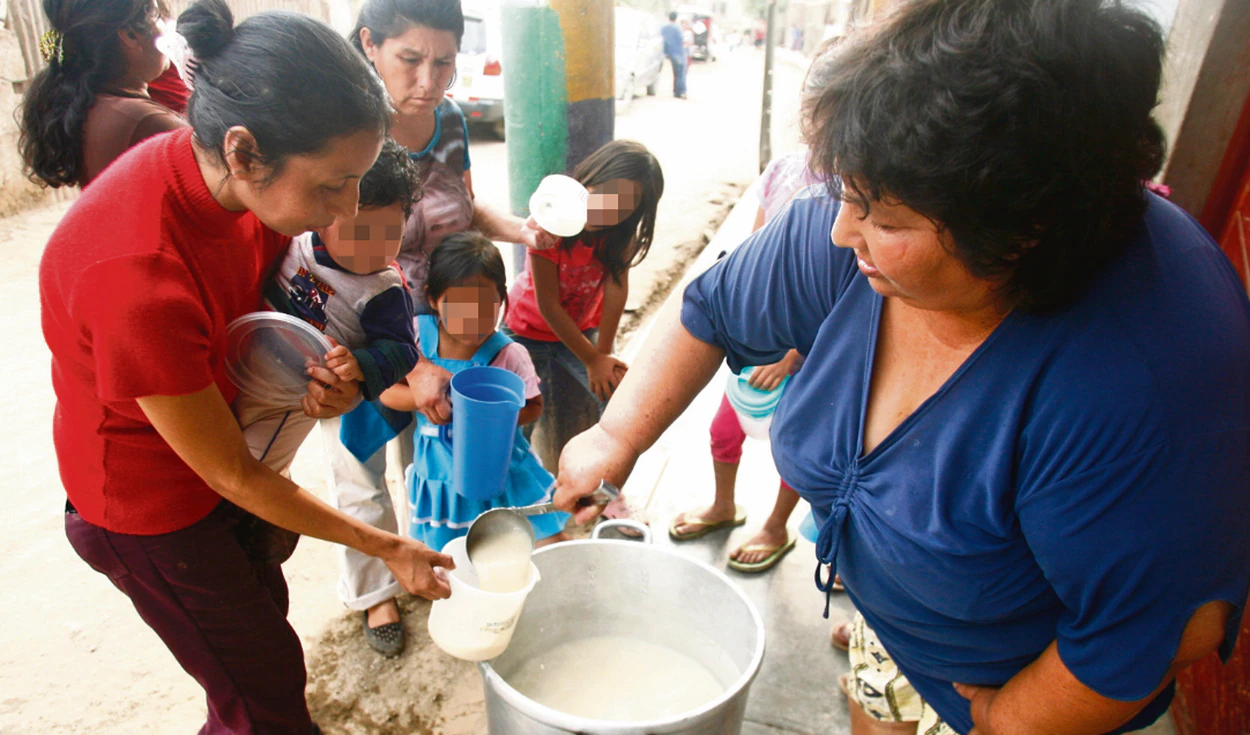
[(761, 547)]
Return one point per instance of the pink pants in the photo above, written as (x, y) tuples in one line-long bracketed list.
[(728, 436)]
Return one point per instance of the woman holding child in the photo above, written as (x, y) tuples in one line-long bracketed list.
[(1023, 423), (137, 286)]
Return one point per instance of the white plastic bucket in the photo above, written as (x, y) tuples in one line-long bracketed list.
[(473, 625), (559, 205), (754, 427)]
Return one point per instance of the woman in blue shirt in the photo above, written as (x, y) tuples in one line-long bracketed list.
[(1024, 419)]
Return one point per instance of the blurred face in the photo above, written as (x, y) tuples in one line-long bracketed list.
[(144, 62), (417, 66), (611, 202), (310, 191), (469, 310), (368, 242), (904, 255)]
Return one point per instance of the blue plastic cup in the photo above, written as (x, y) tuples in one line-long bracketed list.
[(485, 402)]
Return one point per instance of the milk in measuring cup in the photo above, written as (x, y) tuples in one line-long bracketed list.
[(502, 562), (476, 623)]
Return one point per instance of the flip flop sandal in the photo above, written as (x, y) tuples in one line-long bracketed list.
[(844, 683), (766, 563), (387, 640), (703, 527)]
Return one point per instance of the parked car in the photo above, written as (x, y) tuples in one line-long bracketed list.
[(700, 24), (478, 88), (639, 52)]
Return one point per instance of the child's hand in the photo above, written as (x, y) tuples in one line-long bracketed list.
[(768, 377), (535, 237), (606, 373), (343, 363)]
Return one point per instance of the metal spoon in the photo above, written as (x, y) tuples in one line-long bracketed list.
[(498, 521)]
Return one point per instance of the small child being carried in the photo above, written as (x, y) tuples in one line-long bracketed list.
[(343, 281), (466, 288)]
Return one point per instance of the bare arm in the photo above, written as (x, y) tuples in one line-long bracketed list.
[(759, 219), (614, 297), (1046, 697), (671, 369), (546, 276), (531, 412), (504, 227), (399, 397), (201, 430)]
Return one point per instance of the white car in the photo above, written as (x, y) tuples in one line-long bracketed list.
[(478, 88), (639, 52)]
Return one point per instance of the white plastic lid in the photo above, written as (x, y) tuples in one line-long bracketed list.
[(269, 354), (559, 205)]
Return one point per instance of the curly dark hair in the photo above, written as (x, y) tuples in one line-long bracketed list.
[(54, 109), (393, 178), (1021, 127)]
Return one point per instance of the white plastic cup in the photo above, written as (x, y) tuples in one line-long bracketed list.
[(559, 205), (473, 625)]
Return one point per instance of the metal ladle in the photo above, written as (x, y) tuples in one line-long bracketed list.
[(499, 521)]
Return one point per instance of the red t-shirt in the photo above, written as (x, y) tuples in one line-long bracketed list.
[(581, 292), (169, 90), (137, 285)]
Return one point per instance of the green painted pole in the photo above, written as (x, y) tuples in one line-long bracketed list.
[(559, 107), (535, 97)]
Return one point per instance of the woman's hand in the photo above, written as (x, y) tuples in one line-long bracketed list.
[(328, 395), (535, 237), (589, 458), (429, 384), (413, 564), (606, 372)]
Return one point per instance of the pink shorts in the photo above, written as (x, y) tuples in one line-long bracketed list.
[(728, 436)]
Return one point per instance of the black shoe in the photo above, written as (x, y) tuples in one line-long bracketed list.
[(387, 640)]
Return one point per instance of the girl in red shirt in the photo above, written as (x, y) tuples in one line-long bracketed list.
[(137, 285), (567, 304)]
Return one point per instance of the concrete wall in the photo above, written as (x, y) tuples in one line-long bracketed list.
[(1206, 81), (16, 191)]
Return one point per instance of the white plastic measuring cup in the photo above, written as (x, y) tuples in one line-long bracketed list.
[(559, 205), (474, 625)]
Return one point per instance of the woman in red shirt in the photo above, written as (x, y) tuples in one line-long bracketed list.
[(90, 103), (137, 286)]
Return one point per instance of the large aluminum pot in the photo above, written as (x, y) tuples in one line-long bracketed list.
[(602, 587)]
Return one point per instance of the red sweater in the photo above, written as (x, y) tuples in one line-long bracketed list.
[(137, 285)]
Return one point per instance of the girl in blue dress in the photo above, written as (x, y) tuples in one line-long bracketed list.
[(466, 287)]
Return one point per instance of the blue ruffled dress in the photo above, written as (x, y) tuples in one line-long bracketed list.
[(437, 513)]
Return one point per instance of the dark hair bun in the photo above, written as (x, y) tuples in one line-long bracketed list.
[(208, 26)]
